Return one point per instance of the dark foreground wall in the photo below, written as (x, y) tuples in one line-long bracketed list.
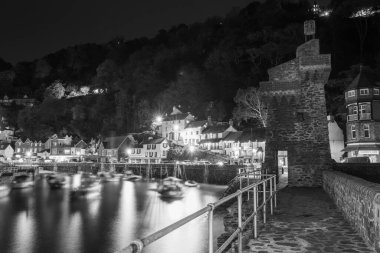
[(359, 200), (367, 171)]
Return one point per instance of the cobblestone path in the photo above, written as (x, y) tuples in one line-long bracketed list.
[(306, 220)]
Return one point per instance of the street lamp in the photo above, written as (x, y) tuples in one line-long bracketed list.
[(129, 152), (191, 149), (175, 127), (158, 119)]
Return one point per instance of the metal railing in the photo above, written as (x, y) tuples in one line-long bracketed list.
[(260, 185)]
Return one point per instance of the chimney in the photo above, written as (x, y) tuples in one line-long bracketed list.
[(209, 121), (231, 122)]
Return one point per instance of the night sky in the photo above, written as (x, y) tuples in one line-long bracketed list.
[(31, 29)]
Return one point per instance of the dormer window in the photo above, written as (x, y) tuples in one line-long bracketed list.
[(376, 91), (352, 93), (364, 91)]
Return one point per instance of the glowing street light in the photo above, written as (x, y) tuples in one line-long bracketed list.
[(158, 119), (129, 151), (175, 127), (28, 154), (192, 149)]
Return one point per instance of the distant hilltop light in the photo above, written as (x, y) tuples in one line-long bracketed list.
[(364, 13), (325, 13)]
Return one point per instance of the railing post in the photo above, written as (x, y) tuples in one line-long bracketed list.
[(275, 191), (240, 238), (254, 211), (264, 203), (247, 182), (271, 195), (240, 178), (211, 229)]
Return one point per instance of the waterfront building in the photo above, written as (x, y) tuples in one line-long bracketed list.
[(245, 147), (362, 98), (114, 148), (212, 136), (6, 151), (336, 139), (192, 133), (7, 135), (173, 124), (27, 149), (24, 101)]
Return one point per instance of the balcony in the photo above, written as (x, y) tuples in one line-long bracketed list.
[(352, 117), (364, 116)]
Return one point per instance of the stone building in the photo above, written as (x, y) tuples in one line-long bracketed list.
[(296, 104), (363, 117)]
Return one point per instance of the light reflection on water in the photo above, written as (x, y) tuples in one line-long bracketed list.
[(42, 220)]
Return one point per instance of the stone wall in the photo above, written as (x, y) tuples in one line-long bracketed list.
[(359, 200)]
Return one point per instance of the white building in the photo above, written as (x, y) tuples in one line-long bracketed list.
[(6, 151), (173, 124), (149, 151), (336, 139), (192, 133), (212, 136)]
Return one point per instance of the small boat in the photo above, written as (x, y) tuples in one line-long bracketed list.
[(22, 181), (170, 188), (5, 189), (191, 183), (129, 176), (109, 177), (90, 186), (56, 181)]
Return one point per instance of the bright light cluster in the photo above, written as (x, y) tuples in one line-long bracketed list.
[(325, 13), (364, 13)]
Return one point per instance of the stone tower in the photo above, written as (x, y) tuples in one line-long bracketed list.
[(296, 104)]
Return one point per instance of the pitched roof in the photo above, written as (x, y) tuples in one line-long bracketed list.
[(153, 141), (363, 80), (4, 145), (210, 140), (179, 116), (233, 136), (113, 142), (195, 124), (216, 128)]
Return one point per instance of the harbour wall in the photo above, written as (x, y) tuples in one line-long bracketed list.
[(359, 201)]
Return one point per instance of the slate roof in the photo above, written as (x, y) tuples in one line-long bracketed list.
[(153, 141), (4, 145), (216, 128), (233, 136), (363, 80), (113, 142), (179, 116), (195, 124)]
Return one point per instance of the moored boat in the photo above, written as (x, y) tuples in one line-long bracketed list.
[(129, 176), (191, 183), (5, 189), (170, 188), (56, 181), (109, 177), (22, 181), (90, 186)]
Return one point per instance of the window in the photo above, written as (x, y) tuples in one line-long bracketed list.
[(352, 93), (300, 116), (197, 132), (362, 108), (153, 146), (353, 131), (376, 92), (366, 130), (355, 109), (164, 145), (18, 150), (364, 91), (138, 151), (148, 147), (164, 153)]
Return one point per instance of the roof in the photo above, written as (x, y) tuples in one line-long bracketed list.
[(210, 140), (4, 145), (153, 141), (113, 142), (254, 134), (363, 80), (233, 136), (216, 128), (195, 124), (179, 116)]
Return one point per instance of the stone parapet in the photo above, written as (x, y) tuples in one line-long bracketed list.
[(359, 200)]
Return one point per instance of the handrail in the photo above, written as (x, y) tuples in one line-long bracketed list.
[(137, 245)]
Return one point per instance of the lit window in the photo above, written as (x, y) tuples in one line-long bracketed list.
[(366, 130), (364, 91), (352, 93), (376, 92), (355, 109), (362, 108), (353, 131)]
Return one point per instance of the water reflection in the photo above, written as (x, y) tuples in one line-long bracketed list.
[(44, 220)]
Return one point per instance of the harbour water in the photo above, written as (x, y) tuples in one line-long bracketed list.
[(39, 220)]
